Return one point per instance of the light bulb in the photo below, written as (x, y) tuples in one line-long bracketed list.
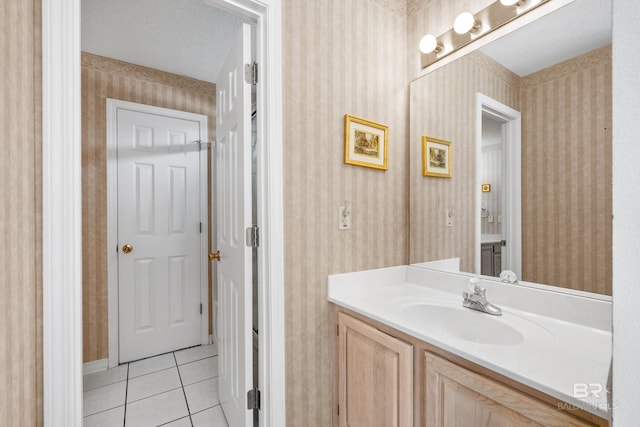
[(509, 2), (464, 23), (428, 43)]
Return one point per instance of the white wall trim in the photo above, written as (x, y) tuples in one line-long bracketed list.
[(626, 202), (113, 336), (204, 234), (61, 214), (112, 217), (62, 209), (95, 366), (512, 224), (271, 217)]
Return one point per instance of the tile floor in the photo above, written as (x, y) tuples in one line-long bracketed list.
[(174, 390)]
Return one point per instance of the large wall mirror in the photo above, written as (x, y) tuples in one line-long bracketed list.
[(529, 121)]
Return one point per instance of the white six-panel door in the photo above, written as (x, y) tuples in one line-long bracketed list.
[(159, 218), (233, 200)]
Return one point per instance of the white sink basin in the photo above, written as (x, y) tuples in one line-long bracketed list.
[(452, 320)]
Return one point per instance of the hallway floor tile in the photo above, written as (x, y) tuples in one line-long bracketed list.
[(175, 389)]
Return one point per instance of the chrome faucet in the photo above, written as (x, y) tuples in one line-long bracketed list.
[(477, 300)]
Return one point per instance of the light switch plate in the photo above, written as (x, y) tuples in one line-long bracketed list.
[(344, 218)]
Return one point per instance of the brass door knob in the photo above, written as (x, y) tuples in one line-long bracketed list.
[(213, 256), (127, 248)]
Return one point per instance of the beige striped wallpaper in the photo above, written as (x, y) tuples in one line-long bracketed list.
[(566, 172), (20, 215), (107, 78), (340, 57)]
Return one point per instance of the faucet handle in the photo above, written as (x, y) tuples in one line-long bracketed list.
[(508, 276), (481, 292), (474, 287)]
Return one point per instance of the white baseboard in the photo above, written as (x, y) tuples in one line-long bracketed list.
[(95, 366)]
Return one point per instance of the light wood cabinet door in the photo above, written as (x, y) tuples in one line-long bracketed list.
[(375, 378), (459, 397)]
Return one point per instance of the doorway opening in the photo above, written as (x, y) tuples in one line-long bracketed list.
[(153, 154), (498, 188), (61, 207)]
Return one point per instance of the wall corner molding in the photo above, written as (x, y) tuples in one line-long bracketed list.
[(61, 218)]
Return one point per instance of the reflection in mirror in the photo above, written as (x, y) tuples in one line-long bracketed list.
[(556, 72), (498, 227)]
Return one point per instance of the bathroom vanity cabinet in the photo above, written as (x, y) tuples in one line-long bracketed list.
[(387, 378)]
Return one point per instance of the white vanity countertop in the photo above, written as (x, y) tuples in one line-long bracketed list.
[(564, 348), (490, 238)]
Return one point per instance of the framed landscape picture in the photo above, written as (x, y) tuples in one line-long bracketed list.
[(436, 157), (365, 143)]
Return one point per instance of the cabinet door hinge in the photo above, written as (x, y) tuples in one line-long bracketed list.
[(200, 308), (200, 228), (251, 73), (253, 399)]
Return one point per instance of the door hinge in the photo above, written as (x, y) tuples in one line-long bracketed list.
[(251, 73), (253, 399), (338, 330), (200, 228), (200, 308), (252, 236)]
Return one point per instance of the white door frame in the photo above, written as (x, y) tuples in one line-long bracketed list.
[(62, 214), (112, 217), (512, 172)]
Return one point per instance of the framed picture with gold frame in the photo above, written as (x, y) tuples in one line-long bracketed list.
[(365, 143), (436, 157)]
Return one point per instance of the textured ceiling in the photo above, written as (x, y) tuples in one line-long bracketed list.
[(185, 37), (572, 30)]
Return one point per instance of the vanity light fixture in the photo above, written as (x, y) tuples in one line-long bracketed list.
[(429, 43), (522, 5), (528, 4), (465, 23), (468, 27)]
